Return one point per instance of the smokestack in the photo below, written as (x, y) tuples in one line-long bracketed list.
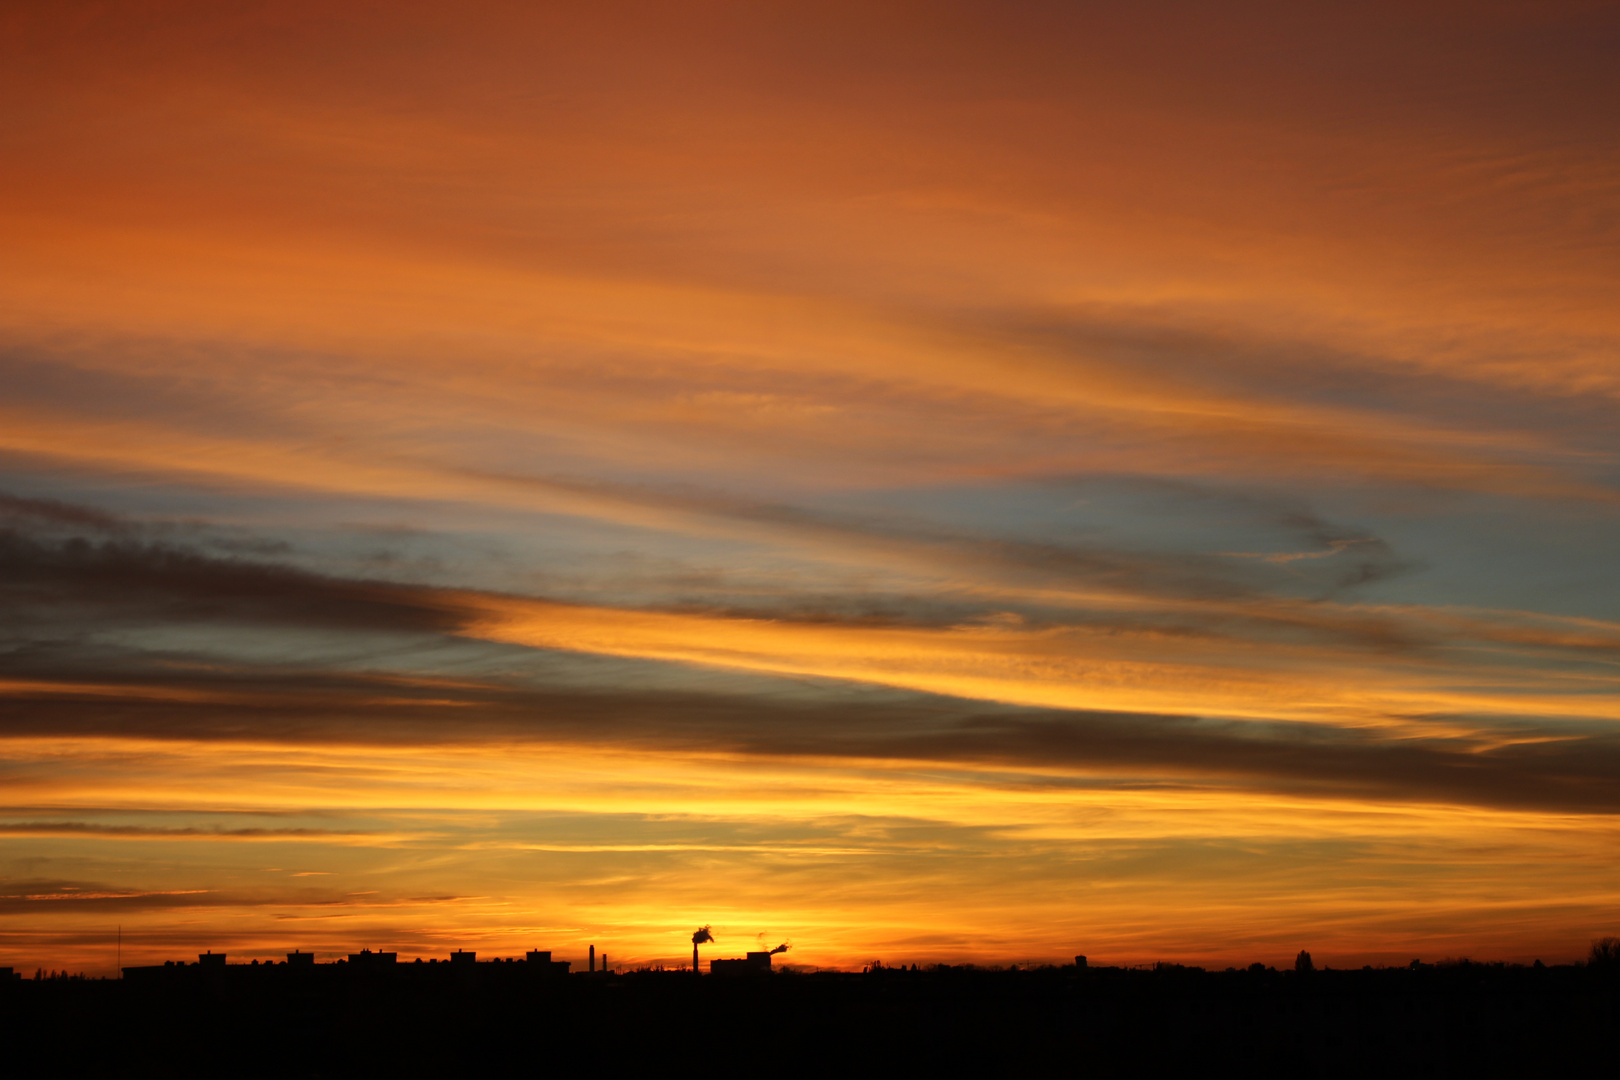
[(593, 959), (698, 937)]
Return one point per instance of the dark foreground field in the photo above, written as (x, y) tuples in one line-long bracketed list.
[(496, 1019)]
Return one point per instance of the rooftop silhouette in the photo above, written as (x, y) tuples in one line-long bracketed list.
[(369, 1013)]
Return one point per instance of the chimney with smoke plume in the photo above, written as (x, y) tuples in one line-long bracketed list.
[(699, 937)]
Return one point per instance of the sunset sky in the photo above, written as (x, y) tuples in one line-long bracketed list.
[(965, 482)]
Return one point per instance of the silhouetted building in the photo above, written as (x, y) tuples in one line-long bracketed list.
[(373, 959), (592, 968), (211, 959), (462, 957), (756, 963), (300, 959), (7, 974), (1079, 961), (541, 958)]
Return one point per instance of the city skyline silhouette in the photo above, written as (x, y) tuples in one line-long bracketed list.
[(1049, 530)]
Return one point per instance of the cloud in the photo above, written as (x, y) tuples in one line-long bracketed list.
[(154, 581), (33, 513), (39, 896), (1473, 761), (154, 832), (1096, 631), (898, 541), (163, 579)]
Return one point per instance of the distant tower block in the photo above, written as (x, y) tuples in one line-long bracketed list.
[(539, 956), (463, 957), (1079, 961), (593, 958), (212, 959), (300, 959)]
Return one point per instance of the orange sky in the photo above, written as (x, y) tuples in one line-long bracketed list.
[(929, 482)]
